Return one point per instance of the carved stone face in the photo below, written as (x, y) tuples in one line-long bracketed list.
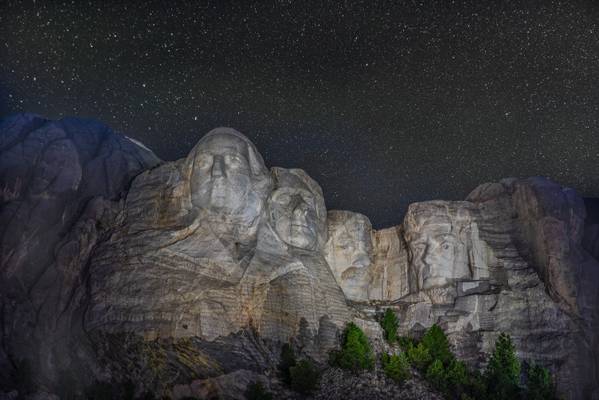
[(438, 237), (228, 176), (297, 211), (349, 252), (352, 239)]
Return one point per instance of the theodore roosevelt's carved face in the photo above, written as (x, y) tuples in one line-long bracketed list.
[(352, 238), (228, 175)]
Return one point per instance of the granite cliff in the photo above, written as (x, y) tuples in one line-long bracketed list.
[(185, 277)]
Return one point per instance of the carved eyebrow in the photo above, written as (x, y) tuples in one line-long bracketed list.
[(237, 156), (446, 236)]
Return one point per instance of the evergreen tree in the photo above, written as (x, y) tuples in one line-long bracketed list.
[(389, 324), (257, 391), (457, 376), (287, 361), (304, 377), (503, 371), (396, 367), (356, 353), (437, 344), (419, 356), (435, 374), (539, 384)]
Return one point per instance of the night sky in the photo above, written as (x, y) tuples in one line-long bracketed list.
[(383, 103)]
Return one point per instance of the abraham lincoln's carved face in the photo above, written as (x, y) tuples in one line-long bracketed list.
[(437, 239)]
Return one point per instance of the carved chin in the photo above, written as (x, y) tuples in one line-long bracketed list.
[(227, 200), (301, 236)]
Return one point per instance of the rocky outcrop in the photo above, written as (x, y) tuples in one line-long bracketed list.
[(477, 275), (57, 180), (185, 277), (369, 265), (215, 243)]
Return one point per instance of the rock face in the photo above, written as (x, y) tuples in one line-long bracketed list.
[(185, 277), (497, 284), (57, 180), (216, 243), (369, 265)]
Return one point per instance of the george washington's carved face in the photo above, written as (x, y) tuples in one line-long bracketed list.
[(221, 174), (228, 176)]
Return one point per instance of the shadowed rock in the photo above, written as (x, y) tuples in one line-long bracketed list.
[(58, 180)]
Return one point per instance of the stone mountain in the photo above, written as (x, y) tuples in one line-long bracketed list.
[(118, 266)]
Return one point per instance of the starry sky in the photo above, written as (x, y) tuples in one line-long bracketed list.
[(383, 103)]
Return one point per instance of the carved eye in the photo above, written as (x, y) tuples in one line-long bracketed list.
[(445, 246), (204, 161), (234, 162), (284, 198)]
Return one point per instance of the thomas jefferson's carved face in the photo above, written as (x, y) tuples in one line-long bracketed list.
[(294, 215), (297, 210)]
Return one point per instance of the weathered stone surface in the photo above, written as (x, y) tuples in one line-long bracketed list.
[(349, 252), (187, 276), (342, 385), (58, 179), (590, 239), (444, 244), (369, 265), (289, 290), (230, 386), (481, 269), (203, 257)]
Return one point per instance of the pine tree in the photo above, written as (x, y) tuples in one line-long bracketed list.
[(419, 356), (396, 367), (304, 377), (503, 371), (437, 344), (435, 374), (287, 361), (539, 384), (389, 324), (356, 353)]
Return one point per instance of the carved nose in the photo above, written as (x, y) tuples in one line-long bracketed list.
[(300, 210), (218, 167)]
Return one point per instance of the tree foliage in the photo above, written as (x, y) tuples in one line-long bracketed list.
[(437, 344), (419, 356), (396, 367), (257, 391), (503, 371), (356, 353), (304, 377), (435, 374), (389, 324), (539, 384), (287, 361)]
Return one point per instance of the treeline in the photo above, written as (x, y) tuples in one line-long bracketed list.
[(431, 356)]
